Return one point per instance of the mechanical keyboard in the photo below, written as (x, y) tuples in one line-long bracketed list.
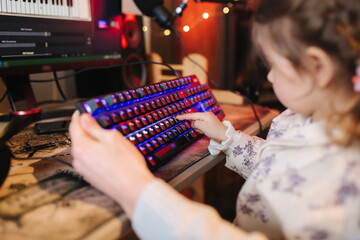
[(146, 116)]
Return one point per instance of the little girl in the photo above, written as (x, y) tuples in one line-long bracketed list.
[(302, 181)]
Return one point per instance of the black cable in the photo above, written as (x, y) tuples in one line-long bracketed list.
[(3, 96), (59, 87), (253, 109), (108, 67), (188, 57), (215, 83)]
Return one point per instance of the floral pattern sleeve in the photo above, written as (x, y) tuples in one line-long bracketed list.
[(240, 148)]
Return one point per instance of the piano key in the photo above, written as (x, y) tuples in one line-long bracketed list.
[(13, 6), (56, 8), (36, 7), (27, 7), (70, 8), (8, 5), (41, 7), (64, 8), (76, 8), (32, 9), (22, 6), (18, 6), (50, 8)]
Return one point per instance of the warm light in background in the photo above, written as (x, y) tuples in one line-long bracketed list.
[(186, 28), (144, 28), (167, 32), (205, 15), (226, 10)]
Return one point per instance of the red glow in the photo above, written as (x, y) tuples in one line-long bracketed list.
[(30, 112), (124, 43), (116, 22), (130, 17)]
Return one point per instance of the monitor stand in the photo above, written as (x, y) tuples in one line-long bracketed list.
[(23, 103), (21, 96)]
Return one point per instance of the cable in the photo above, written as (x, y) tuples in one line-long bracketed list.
[(188, 57), (215, 83), (59, 87), (3, 96), (108, 67), (252, 107)]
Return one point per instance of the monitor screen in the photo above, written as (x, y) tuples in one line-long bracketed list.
[(40, 36), (51, 35)]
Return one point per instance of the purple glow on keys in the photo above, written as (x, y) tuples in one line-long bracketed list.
[(87, 107)]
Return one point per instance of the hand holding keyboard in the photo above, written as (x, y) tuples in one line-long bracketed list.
[(146, 116)]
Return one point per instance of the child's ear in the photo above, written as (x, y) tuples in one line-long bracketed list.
[(321, 66)]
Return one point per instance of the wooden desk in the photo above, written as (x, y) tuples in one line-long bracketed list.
[(42, 199)]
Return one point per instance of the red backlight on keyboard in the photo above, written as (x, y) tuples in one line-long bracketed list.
[(146, 116)]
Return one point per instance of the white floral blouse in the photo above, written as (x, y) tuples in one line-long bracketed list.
[(299, 186)]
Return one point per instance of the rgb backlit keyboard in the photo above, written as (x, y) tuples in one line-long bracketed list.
[(146, 116)]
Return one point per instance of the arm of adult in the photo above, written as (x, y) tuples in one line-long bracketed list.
[(108, 161)]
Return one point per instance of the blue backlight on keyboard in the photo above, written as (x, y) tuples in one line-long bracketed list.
[(146, 116)]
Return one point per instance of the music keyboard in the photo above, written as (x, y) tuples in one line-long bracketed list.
[(63, 9)]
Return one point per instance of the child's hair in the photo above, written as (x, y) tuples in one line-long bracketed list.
[(290, 26)]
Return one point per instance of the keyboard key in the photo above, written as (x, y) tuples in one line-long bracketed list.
[(151, 131), (133, 139), (130, 113), (105, 121), (94, 105), (124, 129), (164, 86), (141, 92), (111, 100)]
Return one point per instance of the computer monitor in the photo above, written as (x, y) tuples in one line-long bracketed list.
[(51, 35)]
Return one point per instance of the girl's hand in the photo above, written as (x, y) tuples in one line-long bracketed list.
[(206, 123), (108, 161)]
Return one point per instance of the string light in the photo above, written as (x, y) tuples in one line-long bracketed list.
[(144, 28), (205, 15), (226, 10), (167, 32)]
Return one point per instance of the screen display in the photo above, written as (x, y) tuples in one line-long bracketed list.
[(40, 36)]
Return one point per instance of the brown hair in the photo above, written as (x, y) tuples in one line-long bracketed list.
[(332, 25)]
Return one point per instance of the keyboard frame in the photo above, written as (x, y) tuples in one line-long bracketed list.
[(133, 98)]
